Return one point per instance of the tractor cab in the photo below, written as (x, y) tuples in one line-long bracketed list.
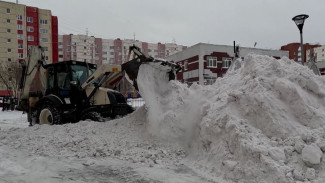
[(65, 78)]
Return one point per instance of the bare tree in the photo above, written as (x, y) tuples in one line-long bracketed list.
[(9, 76)]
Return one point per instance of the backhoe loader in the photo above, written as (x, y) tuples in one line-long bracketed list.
[(71, 91)]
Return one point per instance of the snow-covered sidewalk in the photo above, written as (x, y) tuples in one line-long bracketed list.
[(10, 119)]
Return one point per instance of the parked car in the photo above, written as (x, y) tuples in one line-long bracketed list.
[(1, 101)]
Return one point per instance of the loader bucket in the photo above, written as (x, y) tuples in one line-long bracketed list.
[(131, 69)]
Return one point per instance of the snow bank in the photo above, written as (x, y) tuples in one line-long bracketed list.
[(124, 139), (263, 122)]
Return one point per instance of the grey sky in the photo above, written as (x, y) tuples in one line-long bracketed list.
[(267, 22)]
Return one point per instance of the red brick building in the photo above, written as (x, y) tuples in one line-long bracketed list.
[(204, 63)]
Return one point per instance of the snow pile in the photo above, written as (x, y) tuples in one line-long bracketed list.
[(263, 122), (124, 139)]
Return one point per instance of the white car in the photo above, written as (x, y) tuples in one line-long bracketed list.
[(1, 101)]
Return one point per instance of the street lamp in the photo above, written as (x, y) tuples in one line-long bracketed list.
[(300, 20)]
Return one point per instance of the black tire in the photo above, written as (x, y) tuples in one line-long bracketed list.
[(92, 115), (48, 114)]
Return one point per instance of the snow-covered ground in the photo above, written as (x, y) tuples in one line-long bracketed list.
[(114, 151), (263, 122)]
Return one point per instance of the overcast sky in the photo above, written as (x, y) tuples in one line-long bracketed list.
[(188, 22)]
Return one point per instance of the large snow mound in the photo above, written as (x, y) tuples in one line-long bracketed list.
[(262, 122)]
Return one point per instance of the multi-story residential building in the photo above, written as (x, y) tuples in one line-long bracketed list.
[(99, 51), (204, 63), (319, 53), (22, 26), (294, 51)]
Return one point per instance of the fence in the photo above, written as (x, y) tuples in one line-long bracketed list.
[(135, 102)]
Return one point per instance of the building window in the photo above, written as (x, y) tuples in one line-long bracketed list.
[(46, 58), (8, 20), (19, 17), (20, 55), (85, 47), (60, 43), (212, 62), (20, 36), (30, 19), (68, 49), (9, 50), (60, 49), (43, 40), (60, 56), (8, 30), (30, 29), (8, 40), (9, 60), (210, 80), (9, 70), (20, 27), (8, 10), (45, 48), (111, 47), (44, 22), (20, 46), (30, 38), (185, 65), (226, 62)]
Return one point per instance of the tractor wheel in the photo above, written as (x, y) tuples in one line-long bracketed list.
[(48, 114), (92, 115)]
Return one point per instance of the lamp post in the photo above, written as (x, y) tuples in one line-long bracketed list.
[(300, 20)]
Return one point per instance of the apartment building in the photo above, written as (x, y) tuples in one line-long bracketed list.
[(114, 51), (22, 26), (319, 53), (204, 63), (295, 53)]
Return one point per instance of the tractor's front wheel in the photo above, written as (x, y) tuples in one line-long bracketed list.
[(48, 114)]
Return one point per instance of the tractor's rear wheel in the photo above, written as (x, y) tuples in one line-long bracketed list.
[(48, 114)]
